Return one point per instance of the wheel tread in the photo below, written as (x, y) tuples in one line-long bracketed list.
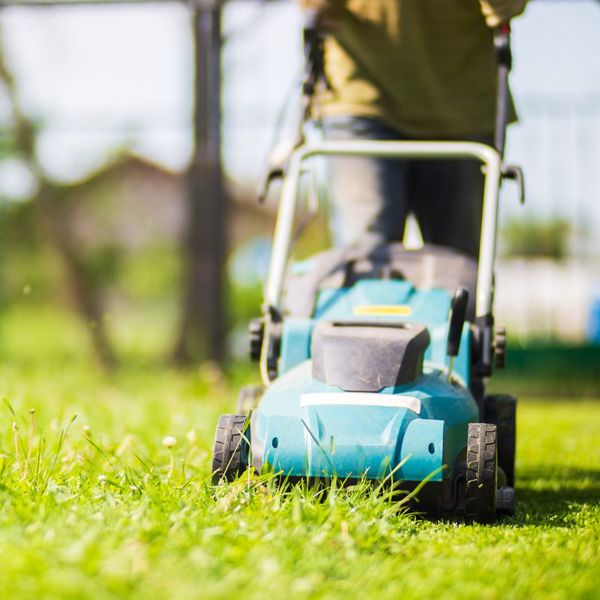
[(481, 473), (230, 447)]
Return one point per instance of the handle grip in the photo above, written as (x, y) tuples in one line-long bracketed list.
[(504, 59), (313, 52), (502, 45)]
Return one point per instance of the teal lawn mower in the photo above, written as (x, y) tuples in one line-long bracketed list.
[(375, 359)]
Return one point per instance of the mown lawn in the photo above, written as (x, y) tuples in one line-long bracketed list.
[(93, 505)]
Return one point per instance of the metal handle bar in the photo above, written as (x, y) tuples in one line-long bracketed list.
[(390, 149)]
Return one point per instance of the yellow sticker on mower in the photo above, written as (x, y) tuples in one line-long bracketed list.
[(382, 310)]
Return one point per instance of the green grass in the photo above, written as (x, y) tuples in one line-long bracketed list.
[(103, 510), (549, 368)]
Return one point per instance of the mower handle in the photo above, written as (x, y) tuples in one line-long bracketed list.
[(390, 149), (490, 157), (417, 150)]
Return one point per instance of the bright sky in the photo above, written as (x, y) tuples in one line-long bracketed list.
[(100, 78)]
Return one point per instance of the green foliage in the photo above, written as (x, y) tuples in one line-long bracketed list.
[(6, 142), (534, 238), (103, 265), (244, 304), (29, 271), (97, 507), (151, 273)]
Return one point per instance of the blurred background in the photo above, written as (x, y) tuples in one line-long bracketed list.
[(115, 240)]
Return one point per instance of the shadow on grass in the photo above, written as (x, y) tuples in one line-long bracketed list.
[(554, 496)]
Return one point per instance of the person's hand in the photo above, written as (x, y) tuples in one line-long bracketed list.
[(497, 12), (329, 12)]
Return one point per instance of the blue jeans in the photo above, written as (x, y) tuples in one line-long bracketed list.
[(372, 197)]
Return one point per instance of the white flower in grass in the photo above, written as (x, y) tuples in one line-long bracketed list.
[(169, 441)]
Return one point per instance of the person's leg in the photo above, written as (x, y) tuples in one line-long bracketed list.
[(446, 197), (367, 194)]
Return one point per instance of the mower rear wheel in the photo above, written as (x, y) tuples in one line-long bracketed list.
[(230, 451), (481, 477), (501, 410)]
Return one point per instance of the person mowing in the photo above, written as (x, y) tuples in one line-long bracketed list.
[(409, 70)]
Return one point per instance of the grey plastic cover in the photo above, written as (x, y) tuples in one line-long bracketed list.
[(367, 357), (426, 268)]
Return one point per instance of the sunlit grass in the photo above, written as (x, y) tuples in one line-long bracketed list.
[(105, 492)]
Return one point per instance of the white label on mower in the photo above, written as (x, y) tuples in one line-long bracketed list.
[(361, 399)]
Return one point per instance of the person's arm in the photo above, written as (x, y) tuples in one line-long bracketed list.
[(497, 12)]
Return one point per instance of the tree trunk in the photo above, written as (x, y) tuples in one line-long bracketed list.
[(202, 328), (86, 299)]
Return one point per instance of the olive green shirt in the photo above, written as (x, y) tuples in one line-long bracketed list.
[(426, 67)]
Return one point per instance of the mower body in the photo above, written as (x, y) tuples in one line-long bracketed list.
[(410, 431), (369, 371)]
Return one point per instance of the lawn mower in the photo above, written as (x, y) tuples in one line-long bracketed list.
[(374, 359)]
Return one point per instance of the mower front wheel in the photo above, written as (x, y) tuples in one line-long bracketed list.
[(231, 448), (481, 477)]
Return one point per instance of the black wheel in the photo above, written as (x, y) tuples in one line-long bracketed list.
[(501, 410), (230, 451), (248, 398), (481, 477)]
